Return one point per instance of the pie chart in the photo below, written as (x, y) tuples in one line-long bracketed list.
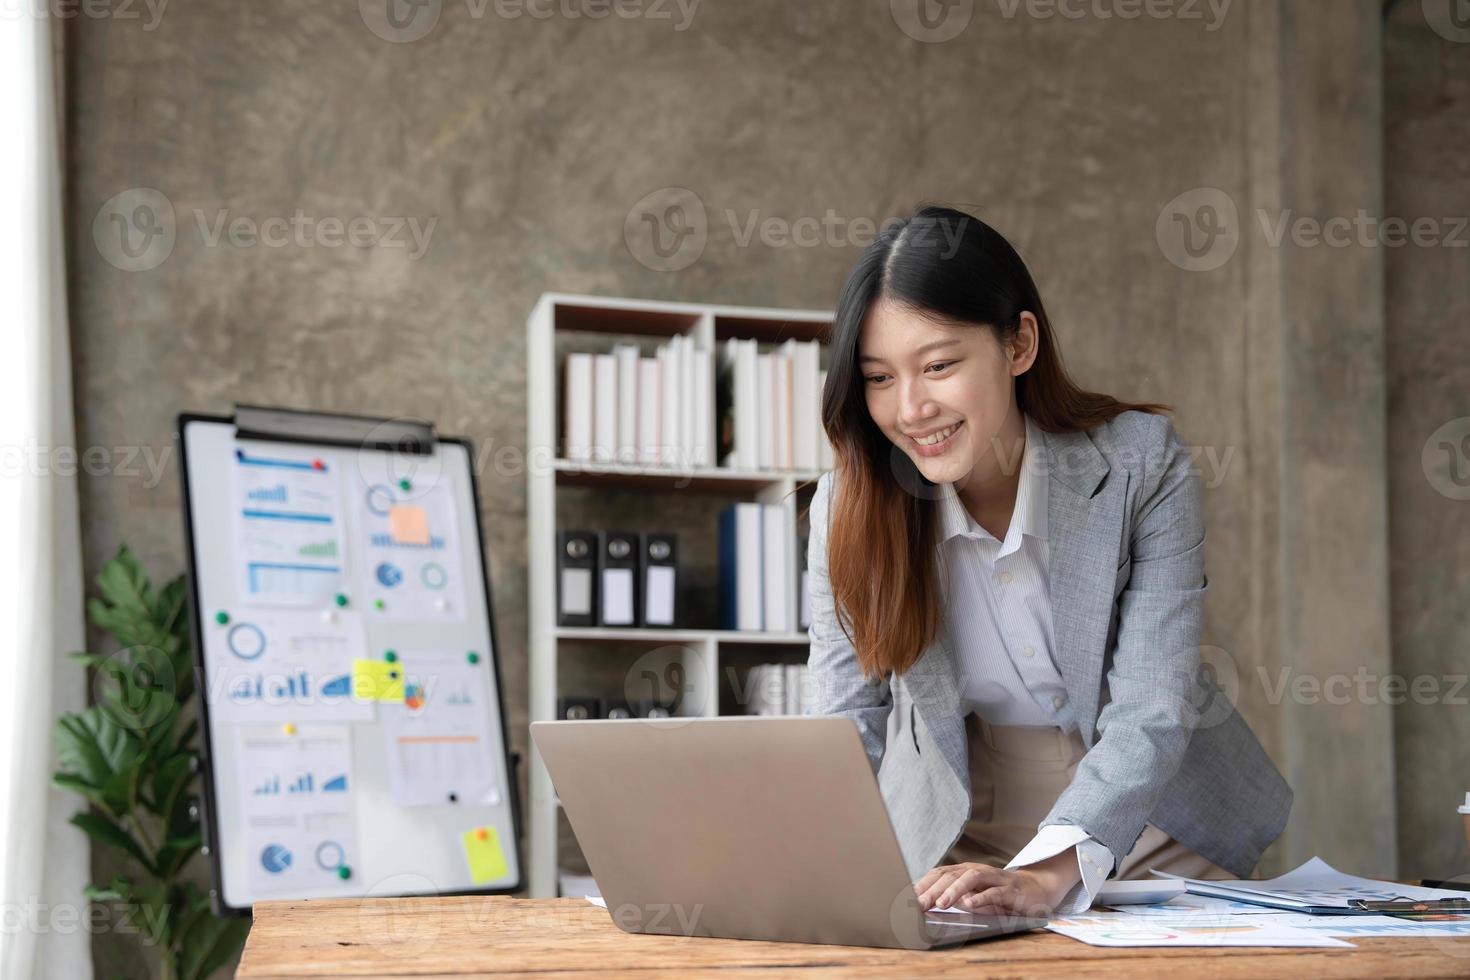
[(388, 574), (275, 858)]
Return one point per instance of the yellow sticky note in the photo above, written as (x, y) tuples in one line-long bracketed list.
[(408, 523), (483, 854), (377, 680)]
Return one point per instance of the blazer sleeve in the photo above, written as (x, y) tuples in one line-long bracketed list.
[(838, 686), (1148, 712)]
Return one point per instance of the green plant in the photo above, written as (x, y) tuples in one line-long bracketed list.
[(132, 755)]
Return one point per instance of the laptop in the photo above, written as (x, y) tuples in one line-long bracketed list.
[(766, 828)]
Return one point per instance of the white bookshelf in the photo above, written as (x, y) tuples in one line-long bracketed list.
[(700, 649)]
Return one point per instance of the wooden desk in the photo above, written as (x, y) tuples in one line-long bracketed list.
[(483, 936)]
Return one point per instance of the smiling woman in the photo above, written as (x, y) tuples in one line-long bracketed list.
[(940, 344), (1007, 588)]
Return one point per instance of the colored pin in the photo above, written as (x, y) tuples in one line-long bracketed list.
[(317, 464), (405, 485), (482, 834), (472, 657), (377, 603), (390, 656), (222, 617), (344, 872), (341, 599), (288, 728), (453, 797)]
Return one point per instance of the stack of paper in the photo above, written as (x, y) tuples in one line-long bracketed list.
[(621, 407), (1232, 916)]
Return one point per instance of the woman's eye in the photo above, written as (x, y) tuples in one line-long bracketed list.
[(875, 378), (942, 365)]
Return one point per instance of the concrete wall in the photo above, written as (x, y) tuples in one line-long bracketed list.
[(1427, 109), (527, 142)]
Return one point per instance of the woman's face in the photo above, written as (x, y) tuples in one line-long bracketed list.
[(942, 393)]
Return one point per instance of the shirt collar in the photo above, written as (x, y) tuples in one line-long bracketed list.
[(1029, 516)]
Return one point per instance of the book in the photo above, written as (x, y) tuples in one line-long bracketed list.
[(650, 413), (605, 416), (577, 407), (776, 580), (627, 356), (740, 567)]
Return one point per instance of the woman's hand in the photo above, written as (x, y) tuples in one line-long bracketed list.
[(1035, 890)]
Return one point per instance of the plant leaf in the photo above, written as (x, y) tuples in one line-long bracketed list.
[(93, 748), (101, 828), (211, 943)]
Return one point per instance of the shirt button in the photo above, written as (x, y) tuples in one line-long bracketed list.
[(1058, 701), (1029, 652), (1086, 859), (1006, 577)]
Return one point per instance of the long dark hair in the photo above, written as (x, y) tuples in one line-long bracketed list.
[(881, 549)]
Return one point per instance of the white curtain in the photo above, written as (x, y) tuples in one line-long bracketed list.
[(43, 864)]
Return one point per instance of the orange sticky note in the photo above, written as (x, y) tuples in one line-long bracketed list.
[(483, 854), (408, 523)]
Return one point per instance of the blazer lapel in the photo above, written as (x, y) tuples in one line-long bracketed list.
[(1084, 524)]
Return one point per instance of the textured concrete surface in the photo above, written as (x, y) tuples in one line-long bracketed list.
[(1426, 175), (527, 141)]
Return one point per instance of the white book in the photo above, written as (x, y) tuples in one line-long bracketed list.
[(781, 385), (745, 404), (793, 688), (627, 358), (805, 393), (672, 395), (774, 562), (748, 547), (605, 397), (577, 408), (766, 440), (686, 408), (805, 622), (825, 457), (767, 689), (650, 414)]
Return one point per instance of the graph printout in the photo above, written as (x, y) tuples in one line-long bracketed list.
[(288, 526), (296, 808)]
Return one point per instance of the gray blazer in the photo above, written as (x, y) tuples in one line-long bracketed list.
[(1127, 582)]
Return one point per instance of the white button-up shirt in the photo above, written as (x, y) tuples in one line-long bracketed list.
[(997, 615)]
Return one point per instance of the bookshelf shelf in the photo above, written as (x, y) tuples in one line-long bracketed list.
[(570, 472), (708, 325), (619, 634)]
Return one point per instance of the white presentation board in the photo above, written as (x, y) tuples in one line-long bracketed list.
[(352, 723)]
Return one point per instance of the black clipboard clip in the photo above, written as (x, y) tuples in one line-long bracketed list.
[(396, 435)]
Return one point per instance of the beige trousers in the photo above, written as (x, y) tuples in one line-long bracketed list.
[(1016, 774)]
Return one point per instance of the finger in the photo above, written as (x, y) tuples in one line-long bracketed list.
[(990, 901), (961, 886), (929, 878), (935, 889)]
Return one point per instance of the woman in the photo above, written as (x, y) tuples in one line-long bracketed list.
[(1019, 566)]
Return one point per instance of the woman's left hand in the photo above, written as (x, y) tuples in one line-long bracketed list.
[(1035, 890)]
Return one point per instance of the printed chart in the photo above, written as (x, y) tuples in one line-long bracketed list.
[(285, 666), (410, 543), (288, 527), (438, 740), (296, 810)]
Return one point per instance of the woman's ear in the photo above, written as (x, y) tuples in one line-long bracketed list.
[(1022, 349)]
